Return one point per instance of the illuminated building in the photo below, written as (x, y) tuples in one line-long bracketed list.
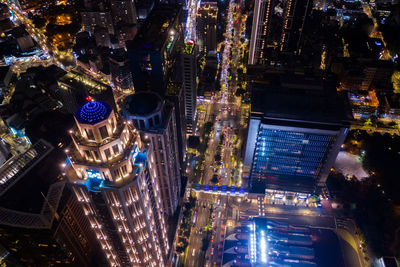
[(120, 73), (24, 40), (143, 9), (107, 14), (112, 177), (38, 221), (155, 119), (276, 25), (295, 132), (206, 26), (74, 89), (364, 104), (102, 36), (272, 243), (189, 72), (91, 19), (123, 11), (152, 53)]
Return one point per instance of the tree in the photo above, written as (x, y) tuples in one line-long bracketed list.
[(208, 127), (205, 244), (239, 92), (39, 22), (192, 201), (193, 142), (214, 179), (180, 249), (393, 124)]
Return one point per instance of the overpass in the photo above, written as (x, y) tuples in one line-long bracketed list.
[(220, 189)]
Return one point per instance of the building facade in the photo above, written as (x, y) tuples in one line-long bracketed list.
[(120, 72), (278, 26), (36, 223), (91, 19), (108, 14), (207, 26), (189, 72), (155, 119), (112, 177), (153, 52), (124, 11), (293, 146)]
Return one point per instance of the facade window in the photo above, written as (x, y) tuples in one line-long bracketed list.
[(89, 134), (87, 154), (124, 170), (103, 132), (112, 124), (115, 149), (96, 155), (116, 173), (107, 153)]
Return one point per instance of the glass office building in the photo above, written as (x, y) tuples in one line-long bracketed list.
[(294, 137)]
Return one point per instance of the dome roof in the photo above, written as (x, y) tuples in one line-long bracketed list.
[(142, 103), (93, 112)]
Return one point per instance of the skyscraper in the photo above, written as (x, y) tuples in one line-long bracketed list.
[(276, 25), (112, 176), (189, 72), (102, 18), (120, 73), (153, 53), (207, 26), (155, 119), (295, 132), (108, 14), (123, 11), (37, 226)]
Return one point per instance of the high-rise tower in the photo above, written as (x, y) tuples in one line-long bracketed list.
[(295, 132), (153, 52), (277, 25), (155, 119), (112, 177), (189, 72)]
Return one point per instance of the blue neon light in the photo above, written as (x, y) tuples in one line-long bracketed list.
[(93, 174), (135, 153), (93, 112)]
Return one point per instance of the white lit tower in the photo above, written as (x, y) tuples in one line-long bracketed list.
[(110, 173), (155, 119)]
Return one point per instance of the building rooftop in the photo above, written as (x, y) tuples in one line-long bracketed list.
[(142, 103), (299, 99), (93, 112), (154, 33)]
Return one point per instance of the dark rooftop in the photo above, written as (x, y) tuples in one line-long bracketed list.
[(142, 103), (293, 98), (153, 34)]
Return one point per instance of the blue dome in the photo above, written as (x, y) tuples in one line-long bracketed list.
[(93, 112)]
